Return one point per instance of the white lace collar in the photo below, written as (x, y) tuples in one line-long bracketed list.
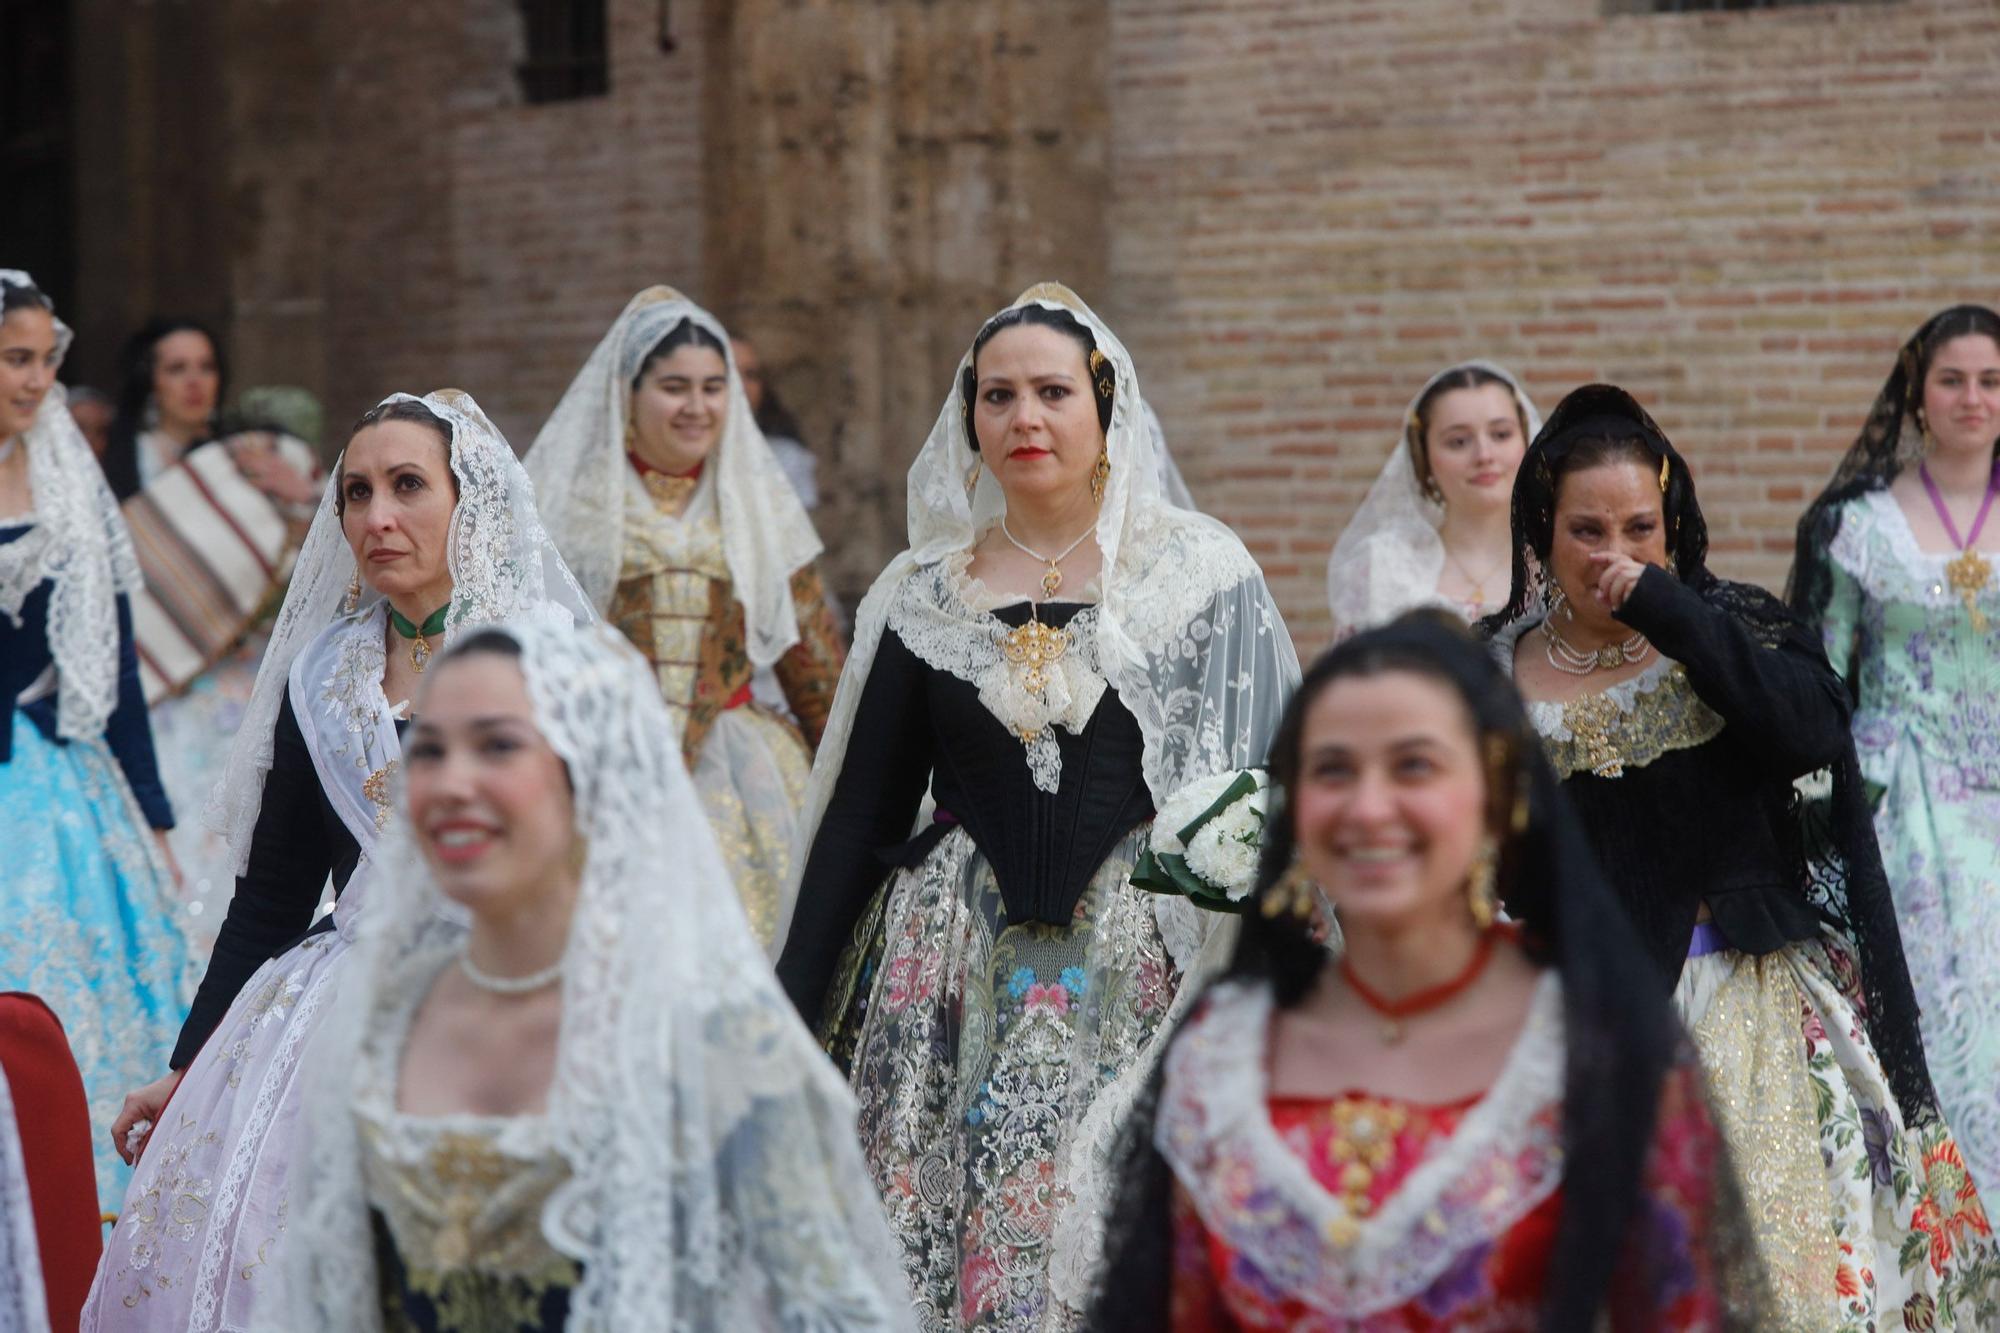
[(939, 615), (1256, 1195)]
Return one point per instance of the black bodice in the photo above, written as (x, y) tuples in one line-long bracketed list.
[(917, 726)]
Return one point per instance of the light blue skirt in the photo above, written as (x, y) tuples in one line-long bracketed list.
[(86, 924)]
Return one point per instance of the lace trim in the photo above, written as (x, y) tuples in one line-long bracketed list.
[(1255, 1194), (1877, 547), (21, 565), (1629, 724), (932, 617)]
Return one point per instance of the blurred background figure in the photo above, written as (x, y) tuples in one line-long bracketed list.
[(171, 378), (780, 427), (93, 411)]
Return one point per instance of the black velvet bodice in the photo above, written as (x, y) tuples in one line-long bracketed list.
[(1712, 820), (916, 726)]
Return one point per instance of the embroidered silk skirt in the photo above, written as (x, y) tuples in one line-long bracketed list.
[(197, 1243), (1863, 1222), (85, 923), (751, 775), (975, 1047)]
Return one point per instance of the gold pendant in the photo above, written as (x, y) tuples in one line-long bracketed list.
[(420, 653), (1051, 581), (376, 789), (1967, 575), (1609, 656), (1035, 648)]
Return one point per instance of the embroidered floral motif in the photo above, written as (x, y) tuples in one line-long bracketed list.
[(1604, 733)]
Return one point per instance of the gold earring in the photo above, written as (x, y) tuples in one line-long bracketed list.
[(1099, 380), (353, 594), (972, 474), (1100, 475), (1480, 895), (1291, 892), (1666, 466), (579, 855)]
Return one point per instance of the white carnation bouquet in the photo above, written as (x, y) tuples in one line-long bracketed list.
[(1207, 840)]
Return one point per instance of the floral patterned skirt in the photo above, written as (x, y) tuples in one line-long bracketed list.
[(975, 1046), (85, 923), (1862, 1221), (197, 1243), (751, 775)]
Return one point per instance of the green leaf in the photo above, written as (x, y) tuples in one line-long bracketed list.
[(1246, 782)]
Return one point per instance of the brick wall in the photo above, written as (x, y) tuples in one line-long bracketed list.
[(1738, 217)]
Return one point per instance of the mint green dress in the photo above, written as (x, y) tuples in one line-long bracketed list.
[(1927, 730)]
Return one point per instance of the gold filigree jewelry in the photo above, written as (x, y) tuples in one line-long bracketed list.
[(1590, 720), (1363, 1142), (353, 595), (972, 474), (1100, 475), (1291, 892), (1967, 574), (1099, 379), (1481, 896), (376, 787), (1034, 649), (670, 493), (1665, 468)]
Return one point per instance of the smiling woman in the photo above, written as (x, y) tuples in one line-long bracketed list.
[(427, 524)]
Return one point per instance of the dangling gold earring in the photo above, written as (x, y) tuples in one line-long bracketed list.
[(579, 855), (1480, 895), (972, 475), (353, 594), (1100, 475), (1292, 893)]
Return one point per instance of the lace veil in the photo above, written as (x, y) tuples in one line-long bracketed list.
[(1186, 630), (584, 481), (1389, 555), (81, 542), (1173, 487), (715, 1177), (502, 563)]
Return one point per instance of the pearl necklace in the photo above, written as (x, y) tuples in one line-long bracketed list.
[(1053, 578), (496, 985), (1571, 660)]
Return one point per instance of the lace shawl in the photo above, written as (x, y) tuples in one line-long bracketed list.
[(1253, 1192), (83, 545), (583, 481), (715, 1176), (1389, 556), (502, 565)]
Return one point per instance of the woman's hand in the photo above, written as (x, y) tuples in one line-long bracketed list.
[(264, 467), (141, 1111), (173, 866), (1616, 575)]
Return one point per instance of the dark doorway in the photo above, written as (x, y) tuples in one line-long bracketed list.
[(38, 226)]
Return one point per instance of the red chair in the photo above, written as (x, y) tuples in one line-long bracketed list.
[(54, 1121)]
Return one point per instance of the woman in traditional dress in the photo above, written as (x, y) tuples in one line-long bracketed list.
[(1057, 652), (565, 1092), (1432, 530), (1679, 710), (215, 533), (663, 496), (171, 380), (1460, 1123), (427, 524), (1895, 565), (85, 920)]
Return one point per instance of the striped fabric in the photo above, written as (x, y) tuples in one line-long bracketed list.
[(212, 548)]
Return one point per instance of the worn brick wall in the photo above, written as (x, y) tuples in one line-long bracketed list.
[(1737, 216)]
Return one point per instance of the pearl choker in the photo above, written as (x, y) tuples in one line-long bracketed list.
[(495, 985)]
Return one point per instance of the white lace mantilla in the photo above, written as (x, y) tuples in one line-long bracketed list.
[(1215, 1131), (935, 617)]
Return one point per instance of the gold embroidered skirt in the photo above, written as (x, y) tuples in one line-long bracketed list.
[(751, 775)]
